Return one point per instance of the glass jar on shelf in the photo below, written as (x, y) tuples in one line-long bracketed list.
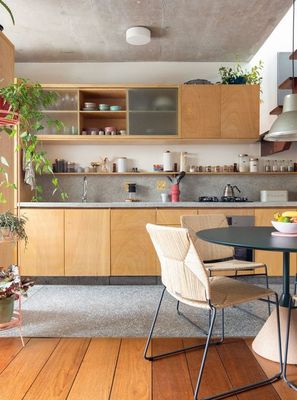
[(267, 166), (243, 163), (254, 164), (290, 166), (274, 166)]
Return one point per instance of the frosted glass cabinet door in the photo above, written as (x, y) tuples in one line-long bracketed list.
[(152, 111)]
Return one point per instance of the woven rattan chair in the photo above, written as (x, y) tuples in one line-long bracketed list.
[(185, 277), (291, 384), (218, 258)]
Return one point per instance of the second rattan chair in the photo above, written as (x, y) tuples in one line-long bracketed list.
[(218, 258), (185, 277)]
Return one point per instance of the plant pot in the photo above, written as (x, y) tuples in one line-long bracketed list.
[(239, 80), (5, 234), (6, 309)]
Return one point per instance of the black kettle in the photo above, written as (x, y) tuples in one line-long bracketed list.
[(229, 190)]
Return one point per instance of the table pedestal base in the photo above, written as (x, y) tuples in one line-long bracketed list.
[(266, 342)]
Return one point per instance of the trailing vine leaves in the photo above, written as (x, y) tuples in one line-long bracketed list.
[(8, 10), (28, 99)]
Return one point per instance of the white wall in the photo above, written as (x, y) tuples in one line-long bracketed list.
[(165, 72)]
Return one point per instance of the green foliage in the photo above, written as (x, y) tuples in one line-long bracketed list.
[(28, 99), (239, 75), (15, 224), (8, 10)]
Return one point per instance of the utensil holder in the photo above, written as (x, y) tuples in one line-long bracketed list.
[(175, 192)]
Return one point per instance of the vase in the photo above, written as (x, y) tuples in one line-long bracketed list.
[(6, 309)]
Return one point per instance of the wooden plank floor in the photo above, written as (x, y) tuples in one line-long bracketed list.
[(114, 369)]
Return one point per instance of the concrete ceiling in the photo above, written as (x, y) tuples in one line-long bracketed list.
[(182, 30)]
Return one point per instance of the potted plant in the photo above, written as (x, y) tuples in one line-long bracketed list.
[(11, 286), (239, 75), (27, 99), (12, 227)]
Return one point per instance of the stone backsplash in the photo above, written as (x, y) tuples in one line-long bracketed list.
[(111, 188)]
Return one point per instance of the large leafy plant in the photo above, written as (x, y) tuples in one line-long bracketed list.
[(15, 225), (11, 284), (239, 75), (28, 99)]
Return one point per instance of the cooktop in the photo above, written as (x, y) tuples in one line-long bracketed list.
[(227, 199)]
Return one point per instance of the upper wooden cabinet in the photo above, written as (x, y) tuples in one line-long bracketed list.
[(200, 111), (220, 112), (240, 107)]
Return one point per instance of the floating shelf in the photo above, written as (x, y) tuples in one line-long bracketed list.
[(287, 84), (172, 173), (104, 114), (293, 56), (276, 111), (59, 111)]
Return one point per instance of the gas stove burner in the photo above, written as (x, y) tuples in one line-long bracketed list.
[(206, 199), (233, 199)]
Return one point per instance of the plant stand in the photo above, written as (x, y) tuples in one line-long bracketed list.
[(16, 320)]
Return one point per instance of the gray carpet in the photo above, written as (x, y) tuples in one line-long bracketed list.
[(91, 311)]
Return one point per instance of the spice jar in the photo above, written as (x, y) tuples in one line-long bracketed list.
[(254, 164), (243, 163)]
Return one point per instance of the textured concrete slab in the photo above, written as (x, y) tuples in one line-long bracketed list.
[(182, 30)]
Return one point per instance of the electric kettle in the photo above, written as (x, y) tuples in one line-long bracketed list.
[(229, 190)]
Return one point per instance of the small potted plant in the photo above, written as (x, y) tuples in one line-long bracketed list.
[(11, 286), (238, 75), (12, 227)]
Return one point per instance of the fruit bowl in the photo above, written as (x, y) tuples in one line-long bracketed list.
[(285, 227)]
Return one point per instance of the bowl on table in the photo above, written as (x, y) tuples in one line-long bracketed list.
[(285, 227)]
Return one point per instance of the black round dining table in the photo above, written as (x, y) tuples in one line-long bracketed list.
[(260, 238)]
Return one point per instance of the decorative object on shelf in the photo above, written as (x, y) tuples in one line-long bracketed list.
[(183, 161), (198, 82), (138, 35), (240, 76), (167, 161), (7, 116), (12, 227), (104, 107), (254, 164), (122, 164), (243, 163), (27, 99), (284, 127), (115, 108), (102, 165), (8, 10), (131, 192)]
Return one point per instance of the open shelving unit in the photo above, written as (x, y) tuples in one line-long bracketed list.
[(155, 173)]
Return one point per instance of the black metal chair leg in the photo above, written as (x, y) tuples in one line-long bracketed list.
[(213, 318), (251, 386), (295, 285), (181, 314), (163, 355), (267, 287), (290, 384)]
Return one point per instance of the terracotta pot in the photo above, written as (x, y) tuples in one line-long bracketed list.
[(6, 309)]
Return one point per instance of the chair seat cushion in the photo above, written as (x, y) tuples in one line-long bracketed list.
[(226, 292), (235, 265), (295, 297)]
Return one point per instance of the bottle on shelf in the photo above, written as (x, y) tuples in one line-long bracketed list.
[(274, 166)]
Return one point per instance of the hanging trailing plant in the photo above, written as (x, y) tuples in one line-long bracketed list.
[(28, 99), (8, 10)]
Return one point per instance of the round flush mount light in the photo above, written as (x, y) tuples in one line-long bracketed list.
[(138, 35)]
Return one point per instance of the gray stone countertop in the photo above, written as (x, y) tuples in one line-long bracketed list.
[(182, 204)]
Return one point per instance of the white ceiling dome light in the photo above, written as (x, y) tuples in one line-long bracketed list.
[(138, 35)]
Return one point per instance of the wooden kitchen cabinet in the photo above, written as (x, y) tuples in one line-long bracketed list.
[(44, 255), (240, 109), (172, 217), (200, 112), (87, 242), (220, 112), (274, 260), (132, 252)]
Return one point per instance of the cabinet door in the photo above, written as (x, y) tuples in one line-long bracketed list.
[(132, 252), (274, 260), (240, 105), (44, 254), (87, 242), (172, 217), (200, 111)]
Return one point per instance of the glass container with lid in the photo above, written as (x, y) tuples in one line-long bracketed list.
[(243, 163)]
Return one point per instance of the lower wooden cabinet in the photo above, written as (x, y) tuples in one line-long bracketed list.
[(274, 260), (87, 242), (44, 255), (132, 252)]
